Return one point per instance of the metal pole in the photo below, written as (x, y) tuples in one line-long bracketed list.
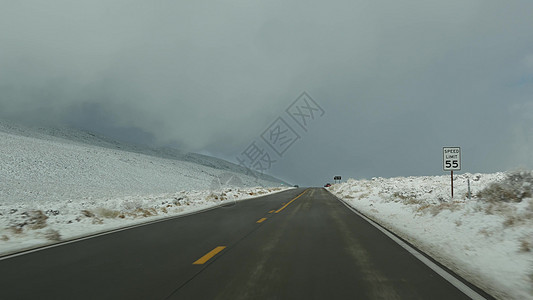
[(452, 183), (469, 193)]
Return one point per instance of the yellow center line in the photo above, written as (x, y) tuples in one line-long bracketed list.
[(261, 220), (283, 207), (271, 211), (209, 255)]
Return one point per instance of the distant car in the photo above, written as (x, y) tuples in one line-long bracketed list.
[(327, 185), (296, 186)]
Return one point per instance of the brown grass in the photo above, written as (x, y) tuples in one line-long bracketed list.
[(436, 209), (514, 188), (145, 212), (87, 213), (406, 199), (36, 219), (525, 246), (485, 232), (107, 213), (364, 195), (16, 229), (423, 207), (52, 235), (510, 221)]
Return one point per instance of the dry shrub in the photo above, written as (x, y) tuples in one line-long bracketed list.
[(413, 201), (525, 246), (145, 212), (87, 213), (489, 209), (16, 229), (436, 209), (508, 211), (401, 196), (510, 221), (4, 238), (211, 197), (485, 232), (52, 235), (36, 219), (499, 192), (107, 213), (514, 188), (423, 207), (95, 220), (408, 199), (364, 195)]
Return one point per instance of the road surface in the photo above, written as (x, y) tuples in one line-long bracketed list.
[(298, 244)]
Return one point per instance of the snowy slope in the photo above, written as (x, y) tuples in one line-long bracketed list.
[(79, 137), (486, 239), (61, 183)]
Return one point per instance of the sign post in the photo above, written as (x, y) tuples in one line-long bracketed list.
[(337, 178), (451, 160)]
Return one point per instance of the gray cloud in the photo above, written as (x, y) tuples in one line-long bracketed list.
[(398, 80)]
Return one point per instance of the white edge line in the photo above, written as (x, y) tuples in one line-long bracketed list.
[(95, 235), (443, 273)]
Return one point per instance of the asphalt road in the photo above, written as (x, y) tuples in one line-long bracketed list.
[(299, 244)]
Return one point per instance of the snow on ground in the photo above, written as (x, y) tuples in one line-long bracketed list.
[(56, 188), (27, 225), (487, 239)]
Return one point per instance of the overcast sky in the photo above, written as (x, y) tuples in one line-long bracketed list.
[(397, 80)]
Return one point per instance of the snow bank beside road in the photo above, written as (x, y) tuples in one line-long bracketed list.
[(71, 183), (24, 226), (488, 242)]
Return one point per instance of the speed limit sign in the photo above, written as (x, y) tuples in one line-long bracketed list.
[(451, 158)]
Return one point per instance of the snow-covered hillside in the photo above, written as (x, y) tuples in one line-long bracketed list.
[(487, 239), (56, 184)]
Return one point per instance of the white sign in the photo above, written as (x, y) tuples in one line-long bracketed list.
[(451, 158)]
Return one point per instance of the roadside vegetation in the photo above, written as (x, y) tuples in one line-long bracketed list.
[(485, 236), (30, 224)]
